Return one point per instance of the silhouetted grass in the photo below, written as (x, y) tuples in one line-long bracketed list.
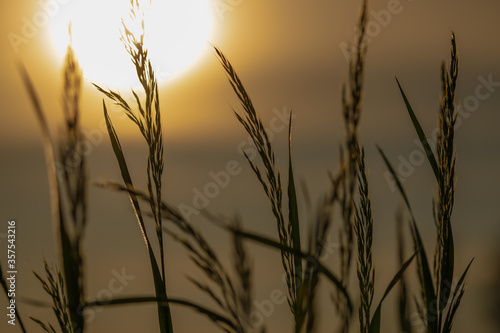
[(148, 120), (347, 206), (68, 184), (439, 301)]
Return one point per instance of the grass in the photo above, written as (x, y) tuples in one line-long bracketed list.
[(147, 119), (363, 227), (345, 209), (439, 301), (68, 184)]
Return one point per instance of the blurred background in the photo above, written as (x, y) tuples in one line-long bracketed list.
[(290, 56)]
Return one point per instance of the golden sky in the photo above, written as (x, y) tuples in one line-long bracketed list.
[(290, 56)]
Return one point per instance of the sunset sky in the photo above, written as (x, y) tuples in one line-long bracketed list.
[(290, 55)]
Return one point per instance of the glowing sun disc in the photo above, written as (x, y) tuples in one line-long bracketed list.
[(177, 32)]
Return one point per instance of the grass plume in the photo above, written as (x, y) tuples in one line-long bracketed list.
[(53, 285), (436, 290), (363, 227), (352, 94), (148, 121), (288, 231), (68, 185)]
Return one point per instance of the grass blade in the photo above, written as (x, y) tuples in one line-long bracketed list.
[(424, 271), (455, 302), (421, 135), (272, 182), (164, 302), (396, 179), (403, 302), (376, 319), (163, 310), (71, 276), (294, 218)]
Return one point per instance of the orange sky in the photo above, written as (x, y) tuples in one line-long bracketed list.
[(289, 56)]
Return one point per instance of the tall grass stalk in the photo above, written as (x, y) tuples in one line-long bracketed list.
[(68, 184), (352, 94), (288, 230), (439, 301), (444, 252), (148, 121)]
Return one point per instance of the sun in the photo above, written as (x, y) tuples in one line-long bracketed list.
[(177, 34)]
